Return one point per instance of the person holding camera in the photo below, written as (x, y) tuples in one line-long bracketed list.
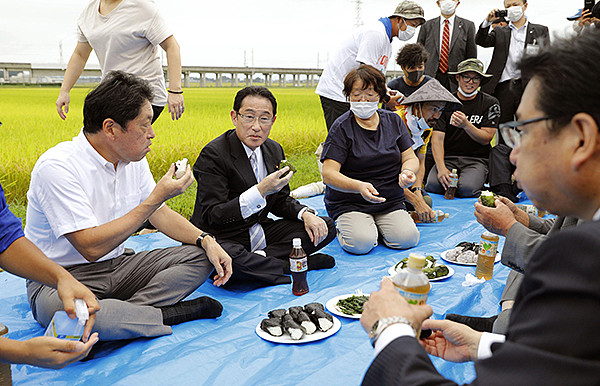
[(586, 18), (510, 43)]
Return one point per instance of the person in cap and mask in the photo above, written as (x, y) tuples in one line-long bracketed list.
[(449, 39), (370, 45), (461, 140)]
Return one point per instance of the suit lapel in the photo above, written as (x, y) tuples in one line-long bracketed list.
[(436, 34), (269, 157), (241, 161), (456, 31), (530, 35)]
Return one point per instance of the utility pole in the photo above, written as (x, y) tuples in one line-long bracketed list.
[(358, 22)]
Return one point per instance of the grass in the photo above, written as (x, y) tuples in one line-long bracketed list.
[(30, 126)]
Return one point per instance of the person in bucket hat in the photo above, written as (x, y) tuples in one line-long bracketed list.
[(461, 140), (420, 112)]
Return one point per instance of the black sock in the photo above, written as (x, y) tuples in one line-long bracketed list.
[(184, 311), (476, 323)]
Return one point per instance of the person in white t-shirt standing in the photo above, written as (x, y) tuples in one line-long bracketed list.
[(124, 34), (370, 45)]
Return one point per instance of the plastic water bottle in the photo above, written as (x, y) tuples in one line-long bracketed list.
[(298, 267), (487, 255), (439, 216), (451, 191), (63, 327), (411, 282)]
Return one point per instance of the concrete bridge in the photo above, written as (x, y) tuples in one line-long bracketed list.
[(27, 73)]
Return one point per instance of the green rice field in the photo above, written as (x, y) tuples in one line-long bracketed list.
[(30, 126)]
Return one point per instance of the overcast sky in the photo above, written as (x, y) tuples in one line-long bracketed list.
[(265, 33)]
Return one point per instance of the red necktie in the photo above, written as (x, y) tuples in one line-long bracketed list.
[(445, 48)]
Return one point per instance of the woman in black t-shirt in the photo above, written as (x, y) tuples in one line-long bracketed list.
[(367, 162)]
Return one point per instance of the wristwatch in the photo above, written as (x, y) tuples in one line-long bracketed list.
[(311, 210), (201, 238), (384, 323), (415, 188)]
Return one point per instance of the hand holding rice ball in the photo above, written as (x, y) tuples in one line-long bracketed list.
[(180, 168)]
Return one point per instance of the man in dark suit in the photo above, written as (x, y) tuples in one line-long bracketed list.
[(554, 318), (239, 184), (446, 54), (510, 43)]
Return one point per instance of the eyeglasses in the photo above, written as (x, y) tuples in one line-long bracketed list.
[(471, 79), (249, 119), (511, 133)]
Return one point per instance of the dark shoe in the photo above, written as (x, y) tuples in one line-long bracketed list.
[(476, 323), (184, 311), (315, 261), (320, 261)]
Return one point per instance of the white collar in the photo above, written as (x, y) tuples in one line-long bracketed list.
[(450, 20), (249, 151), (513, 27), (596, 215)]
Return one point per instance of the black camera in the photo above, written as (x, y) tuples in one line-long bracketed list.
[(501, 13), (589, 4)]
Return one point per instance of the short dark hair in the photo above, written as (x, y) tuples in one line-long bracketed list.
[(259, 91), (120, 96), (569, 79), (370, 76), (412, 55)]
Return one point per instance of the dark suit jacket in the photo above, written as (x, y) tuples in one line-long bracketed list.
[(552, 337), (462, 43), (499, 38), (223, 172)]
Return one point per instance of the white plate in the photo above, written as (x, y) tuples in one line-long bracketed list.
[(443, 256), (392, 271), (332, 307), (286, 339)]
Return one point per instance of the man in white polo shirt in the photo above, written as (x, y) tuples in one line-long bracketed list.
[(88, 195)]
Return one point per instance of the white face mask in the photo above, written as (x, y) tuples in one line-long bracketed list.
[(447, 7), (408, 33), (515, 13), (464, 93), (364, 110)]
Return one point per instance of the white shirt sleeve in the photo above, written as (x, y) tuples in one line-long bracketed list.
[(484, 350), (63, 200), (158, 30), (485, 23), (372, 50), (392, 333), (251, 201)]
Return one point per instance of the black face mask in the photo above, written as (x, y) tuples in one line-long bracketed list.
[(414, 76)]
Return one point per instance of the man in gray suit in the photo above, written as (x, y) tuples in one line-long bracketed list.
[(449, 40)]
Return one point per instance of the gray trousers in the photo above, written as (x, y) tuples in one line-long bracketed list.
[(129, 288), (513, 282), (472, 174)]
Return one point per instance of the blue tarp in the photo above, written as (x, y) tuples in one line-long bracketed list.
[(227, 351)]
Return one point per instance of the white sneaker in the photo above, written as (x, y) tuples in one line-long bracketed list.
[(309, 190)]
